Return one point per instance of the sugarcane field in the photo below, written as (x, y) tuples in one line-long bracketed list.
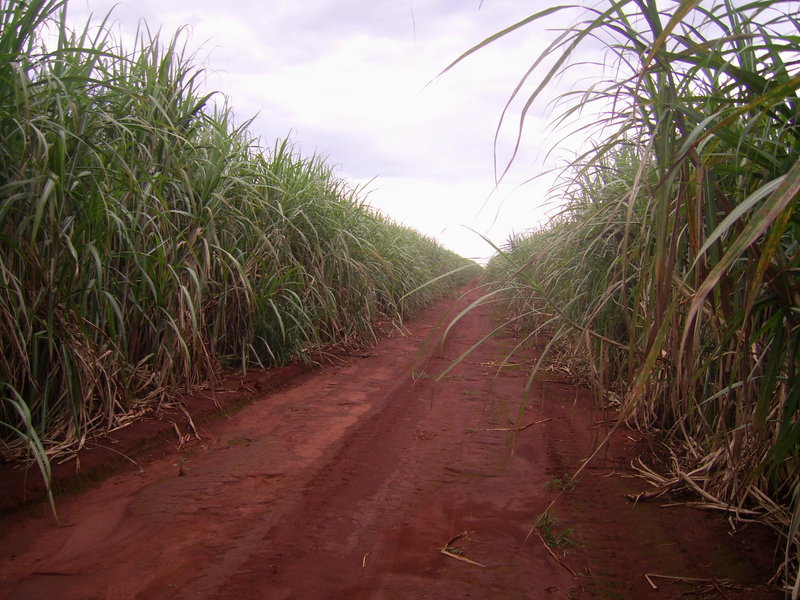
[(244, 362)]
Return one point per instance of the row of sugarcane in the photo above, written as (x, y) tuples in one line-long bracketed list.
[(147, 241), (671, 272)]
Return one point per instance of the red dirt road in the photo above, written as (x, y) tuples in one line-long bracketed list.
[(349, 481)]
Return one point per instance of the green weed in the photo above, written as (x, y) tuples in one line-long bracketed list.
[(564, 483), (553, 532)]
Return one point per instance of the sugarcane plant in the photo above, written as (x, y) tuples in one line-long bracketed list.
[(671, 266), (148, 240)]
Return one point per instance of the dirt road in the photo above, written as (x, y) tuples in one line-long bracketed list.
[(349, 481)]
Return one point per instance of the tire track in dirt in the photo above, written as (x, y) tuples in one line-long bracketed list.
[(403, 483)]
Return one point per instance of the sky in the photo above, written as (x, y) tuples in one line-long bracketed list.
[(359, 82)]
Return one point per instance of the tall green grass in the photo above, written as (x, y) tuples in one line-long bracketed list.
[(147, 241), (672, 267)]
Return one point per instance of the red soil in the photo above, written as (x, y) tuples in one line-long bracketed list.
[(347, 482)]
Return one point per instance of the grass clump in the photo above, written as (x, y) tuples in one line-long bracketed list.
[(553, 532), (146, 241), (672, 266), (564, 483)]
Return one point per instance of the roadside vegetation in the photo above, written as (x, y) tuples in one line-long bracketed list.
[(147, 240), (672, 269)]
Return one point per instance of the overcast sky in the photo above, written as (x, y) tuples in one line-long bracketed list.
[(356, 81)]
